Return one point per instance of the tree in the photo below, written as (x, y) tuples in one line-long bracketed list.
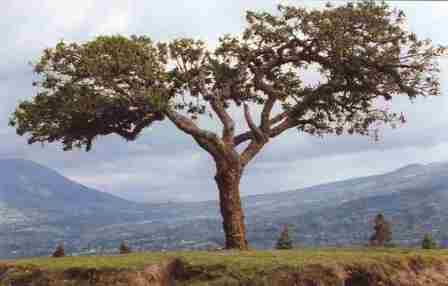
[(428, 242), (124, 248), (284, 242), (59, 252), (382, 234), (122, 85)]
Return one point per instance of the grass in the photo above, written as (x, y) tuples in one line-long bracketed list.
[(246, 261), (223, 268)]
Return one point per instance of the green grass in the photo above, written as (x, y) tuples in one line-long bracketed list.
[(224, 268), (246, 261)]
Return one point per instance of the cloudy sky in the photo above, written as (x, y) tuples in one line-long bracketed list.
[(164, 164)]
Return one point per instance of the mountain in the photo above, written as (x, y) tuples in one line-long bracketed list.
[(413, 198), (39, 208), (46, 189), (415, 203)]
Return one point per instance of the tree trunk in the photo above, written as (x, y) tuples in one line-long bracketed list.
[(228, 182)]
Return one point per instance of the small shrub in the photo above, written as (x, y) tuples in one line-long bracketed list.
[(383, 234), (390, 245), (124, 248), (59, 252), (428, 242), (284, 242)]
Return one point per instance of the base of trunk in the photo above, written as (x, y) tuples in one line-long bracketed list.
[(231, 209)]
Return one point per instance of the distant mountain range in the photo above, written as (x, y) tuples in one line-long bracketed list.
[(40, 208)]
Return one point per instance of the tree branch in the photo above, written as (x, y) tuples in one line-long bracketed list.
[(272, 94), (285, 125), (250, 152), (256, 132), (206, 139), (265, 124), (227, 121), (243, 137)]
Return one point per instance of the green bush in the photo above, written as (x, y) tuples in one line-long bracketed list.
[(428, 242), (284, 242)]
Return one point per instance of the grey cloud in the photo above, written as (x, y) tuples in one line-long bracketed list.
[(164, 163)]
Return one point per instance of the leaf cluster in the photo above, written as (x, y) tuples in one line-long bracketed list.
[(121, 85)]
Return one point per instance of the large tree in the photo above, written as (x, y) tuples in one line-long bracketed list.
[(121, 85)]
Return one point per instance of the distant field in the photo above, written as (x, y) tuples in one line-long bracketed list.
[(246, 260)]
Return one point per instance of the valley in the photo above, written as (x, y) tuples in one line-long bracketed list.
[(41, 208)]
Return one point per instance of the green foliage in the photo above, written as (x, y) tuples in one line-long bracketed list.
[(428, 242), (284, 242), (383, 234), (120, 85), (109, 85)]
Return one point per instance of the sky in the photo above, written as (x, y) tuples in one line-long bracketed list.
[(164, 164)]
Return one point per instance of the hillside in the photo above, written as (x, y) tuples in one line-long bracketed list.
[(335, 214), (415, 207), (306, 267), (40, 208), (45, 189)]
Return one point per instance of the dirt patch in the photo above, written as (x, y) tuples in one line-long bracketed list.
[(152, 275), (396, 273), (412, 272)]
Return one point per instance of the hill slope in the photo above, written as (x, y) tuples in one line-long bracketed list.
[(39, 208), (334, 214), (44, 188)]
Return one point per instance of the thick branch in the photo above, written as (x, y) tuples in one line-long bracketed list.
[(256, 132), (254, 147), (243, 137), (206, 139), (276, 119), (285, 125), (251, 150), (227, 121), (272, 94), (266, 113)]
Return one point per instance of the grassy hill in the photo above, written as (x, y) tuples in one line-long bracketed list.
[(356, 267)]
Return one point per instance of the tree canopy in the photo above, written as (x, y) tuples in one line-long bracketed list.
[(115, 84), (121, 85)]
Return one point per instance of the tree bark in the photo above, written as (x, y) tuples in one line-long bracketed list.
[(228, 181)]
